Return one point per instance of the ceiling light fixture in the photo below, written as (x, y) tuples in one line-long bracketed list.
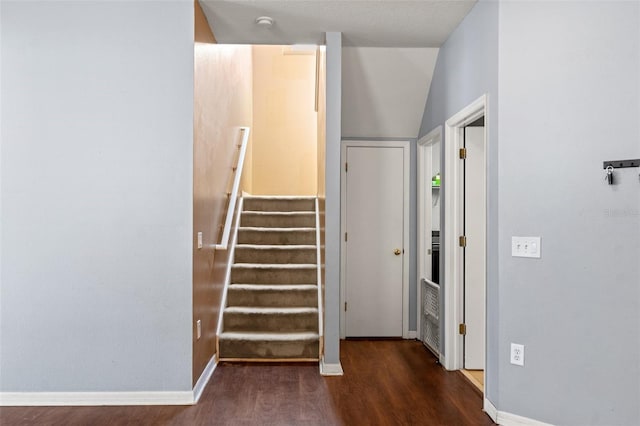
[(264, 21)]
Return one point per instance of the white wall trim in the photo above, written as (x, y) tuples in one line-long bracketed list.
[(412, 334), (330, 369), (21, 399), (453, 266), (204, 378), (508, 419), (24, 399), (405, 145), (425, 171), (491, 410)]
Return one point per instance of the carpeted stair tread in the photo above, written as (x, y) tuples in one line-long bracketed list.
[(268, 346), (275, 254), (278, 219), (276, 236), (279, 287), (275, 265), (257, 319), (271, 308), (254, 203), (269, 336), (270, 311)]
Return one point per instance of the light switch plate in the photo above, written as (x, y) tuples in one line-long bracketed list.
[(199, 240), (525, 247)]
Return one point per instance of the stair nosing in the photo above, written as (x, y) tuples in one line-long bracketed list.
[(279, 212), (276, 246), (270, 310), (278, 287), (277, 229), (236, 335), (294, 266)]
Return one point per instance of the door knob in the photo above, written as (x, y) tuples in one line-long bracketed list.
[(397, 252)]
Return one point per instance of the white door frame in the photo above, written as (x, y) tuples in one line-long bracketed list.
[(452, 181), (405, 145), (425, 172)]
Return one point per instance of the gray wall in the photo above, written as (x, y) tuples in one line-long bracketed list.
[(332, 213), (570, 99), (467, 68), (96, 193)]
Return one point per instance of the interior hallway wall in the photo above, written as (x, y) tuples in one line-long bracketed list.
[(96, 189), (222, 104), (467, 68), (284, 151), (569, 100)]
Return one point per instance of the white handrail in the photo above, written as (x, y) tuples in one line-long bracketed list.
[(234, 192)]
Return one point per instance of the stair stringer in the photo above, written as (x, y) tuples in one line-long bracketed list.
[(227, 274)]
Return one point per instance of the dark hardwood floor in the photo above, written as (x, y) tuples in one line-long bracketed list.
[(385, 383)]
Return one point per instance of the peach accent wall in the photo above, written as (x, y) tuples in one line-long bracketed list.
[(222, 103), (284, 123)]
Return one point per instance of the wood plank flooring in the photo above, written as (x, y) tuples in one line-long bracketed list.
[(385, 383)]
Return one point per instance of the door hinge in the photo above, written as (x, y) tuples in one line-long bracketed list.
[(345, 237), (346, 167), (345, 306), (463, 153), (462, 329), (463, 241)]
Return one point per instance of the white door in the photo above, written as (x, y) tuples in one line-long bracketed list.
[(374, 220), (474, 252)]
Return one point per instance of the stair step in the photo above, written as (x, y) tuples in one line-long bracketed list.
[(277, 320), (267, 346), (251, 253), (276, 236), (265, 295), (263, 273), (278, 219), (258, 203)]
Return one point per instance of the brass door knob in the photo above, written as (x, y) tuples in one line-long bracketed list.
[(397, 252)]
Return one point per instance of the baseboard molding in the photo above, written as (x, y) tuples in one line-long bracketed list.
[(204, 378), (507, 419), (8, 399), (412, 335), (330, 369), (491, 410)]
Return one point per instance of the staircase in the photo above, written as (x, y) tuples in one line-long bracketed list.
[(271, 311)]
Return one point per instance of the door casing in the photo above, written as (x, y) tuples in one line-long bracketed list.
[(452, 180), (424, 221), (405, 145)]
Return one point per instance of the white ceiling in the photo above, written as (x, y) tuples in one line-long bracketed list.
[(363, 23)]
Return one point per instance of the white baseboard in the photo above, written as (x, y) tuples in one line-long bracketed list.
[(412, 335), (23, 399), (330, 369), (204, 378), (491, 410), (95, 398), (507, 419)]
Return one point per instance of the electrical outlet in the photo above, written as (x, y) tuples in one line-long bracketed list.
[(198, 329), (517, 354), (525, 247), (199, 240)]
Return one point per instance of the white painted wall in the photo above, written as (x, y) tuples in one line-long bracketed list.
[(385, 90), (96, 193)]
